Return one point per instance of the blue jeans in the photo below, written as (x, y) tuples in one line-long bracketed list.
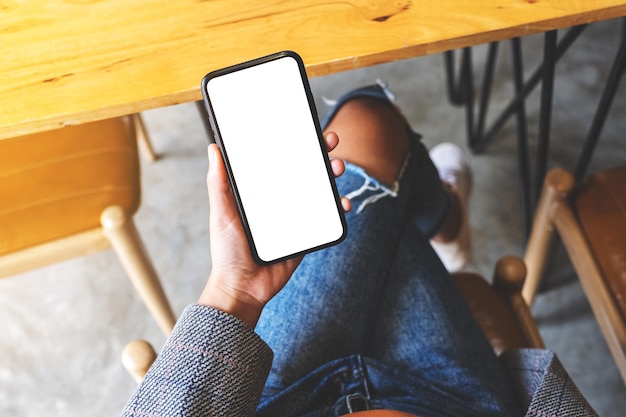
[(376, 322)]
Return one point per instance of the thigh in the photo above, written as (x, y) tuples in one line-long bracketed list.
[(330, 301), (329, 306), (425, 328)]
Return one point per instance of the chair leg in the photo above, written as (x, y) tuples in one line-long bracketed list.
[(557, 185), (120, 229), (143, 140)]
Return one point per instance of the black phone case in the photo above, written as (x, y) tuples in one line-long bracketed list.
[(217, 139)]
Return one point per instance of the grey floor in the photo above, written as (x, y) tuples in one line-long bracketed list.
[(63, 327)]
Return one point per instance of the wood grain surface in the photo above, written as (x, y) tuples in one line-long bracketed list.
[(73, 61)]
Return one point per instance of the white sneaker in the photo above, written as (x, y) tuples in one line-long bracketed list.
[(454, 170)]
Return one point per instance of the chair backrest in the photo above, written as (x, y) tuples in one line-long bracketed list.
[(600, 205), (590, 218), (55, 184)]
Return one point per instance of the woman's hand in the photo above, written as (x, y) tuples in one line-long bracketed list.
[(237, 284)]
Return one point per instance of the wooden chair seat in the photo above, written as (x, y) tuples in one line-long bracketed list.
[(73, 191), (56, 184)]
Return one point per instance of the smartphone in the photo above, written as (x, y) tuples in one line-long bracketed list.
[(263, 118)]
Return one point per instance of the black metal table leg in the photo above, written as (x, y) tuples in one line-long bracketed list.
[(461, 90), (523, 159), (545, 111), (608, 94), (477, 134), (455, 88), (529, 86)]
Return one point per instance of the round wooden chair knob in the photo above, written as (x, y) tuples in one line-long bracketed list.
[(509, 274), (137, 358)]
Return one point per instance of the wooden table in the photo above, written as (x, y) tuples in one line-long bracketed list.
[(69, 62)]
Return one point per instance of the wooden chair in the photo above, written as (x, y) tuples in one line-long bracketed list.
[(143, 139), (74, 191), (499, 309), (590, 218)]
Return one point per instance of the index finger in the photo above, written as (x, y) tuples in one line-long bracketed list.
[(332, 140)]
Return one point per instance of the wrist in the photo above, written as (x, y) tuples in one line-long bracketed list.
[(228, 301)]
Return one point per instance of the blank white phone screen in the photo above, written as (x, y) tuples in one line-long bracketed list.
[(269, 137)]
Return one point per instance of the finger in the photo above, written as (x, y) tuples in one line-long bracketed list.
[(338, 167), (216, 177), (332, 140), (346, 204), (221, 198)]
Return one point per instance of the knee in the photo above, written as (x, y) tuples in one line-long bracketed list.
[(372, 135), (368, 120)]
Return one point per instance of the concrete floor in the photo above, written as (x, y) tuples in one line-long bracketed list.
[(63, 327)]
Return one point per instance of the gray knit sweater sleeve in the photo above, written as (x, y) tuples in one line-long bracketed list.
[(543, 386), (212, 365)]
